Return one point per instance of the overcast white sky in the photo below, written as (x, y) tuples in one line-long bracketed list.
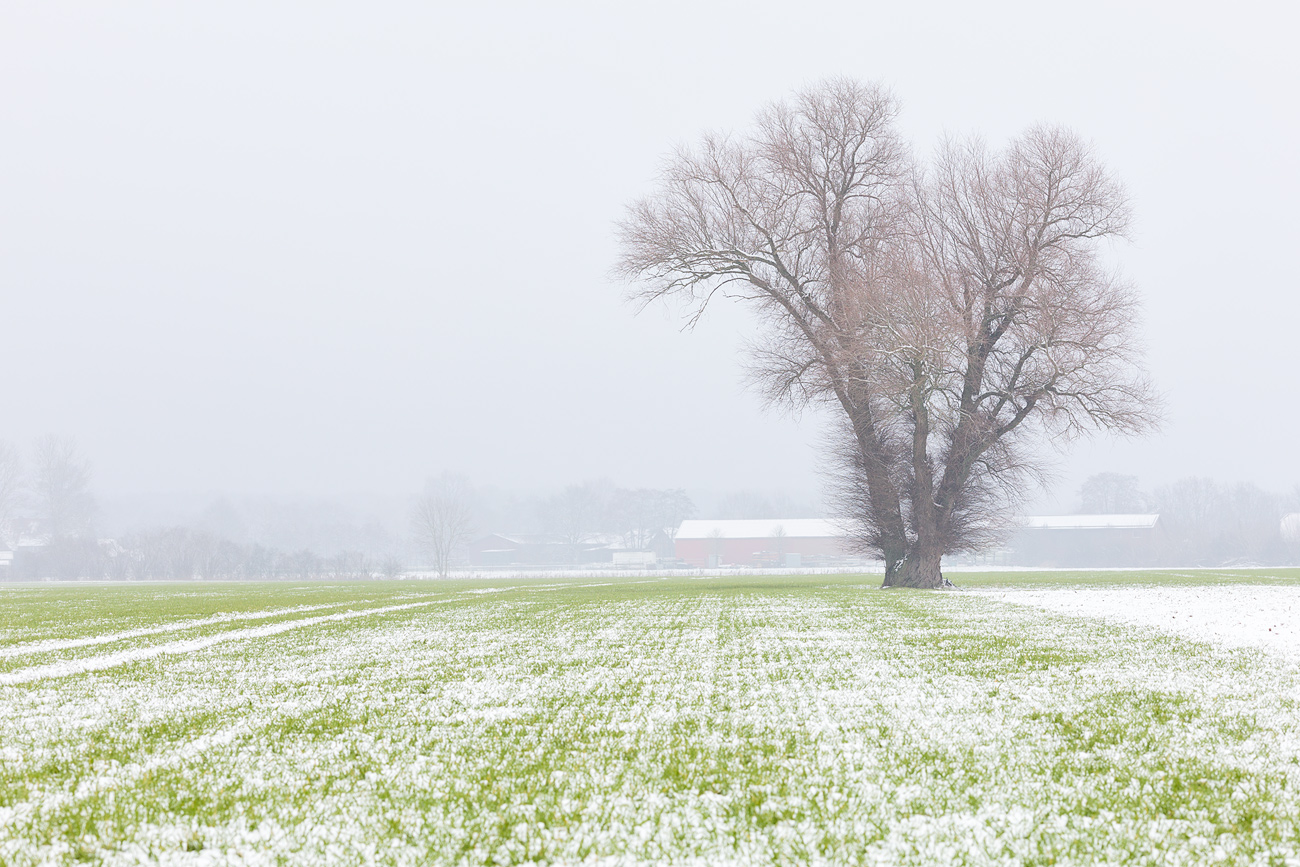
[(323, 247)]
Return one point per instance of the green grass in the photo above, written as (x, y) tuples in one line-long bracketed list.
[(728, 720)]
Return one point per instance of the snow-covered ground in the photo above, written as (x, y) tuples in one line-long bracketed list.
[(799, 721), (1267, 617)]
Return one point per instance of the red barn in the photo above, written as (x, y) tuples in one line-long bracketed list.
[(766, 542)]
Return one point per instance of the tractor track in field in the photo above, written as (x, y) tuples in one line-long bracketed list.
[(54, 644), (191, 645)]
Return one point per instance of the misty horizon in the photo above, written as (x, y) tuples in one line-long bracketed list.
[(241, 261)]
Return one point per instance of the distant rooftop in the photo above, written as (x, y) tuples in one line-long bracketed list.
[(1091, 522), (819, 528)]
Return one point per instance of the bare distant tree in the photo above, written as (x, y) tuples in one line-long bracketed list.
[(300, 564), (956, 315), (746, 505), (636, 518), (648, 517), (441, 519), (1112, 494), (675, 506), (778, 536), (750, 505), (60, 487), (11, 483), (351, 566), (578, 512), (717, 542)]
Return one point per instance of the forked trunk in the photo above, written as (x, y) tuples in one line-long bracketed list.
[(920, 568)]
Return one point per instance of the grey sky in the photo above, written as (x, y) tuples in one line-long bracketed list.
[(317, 248)]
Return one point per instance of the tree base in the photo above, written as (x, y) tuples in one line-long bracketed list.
[(919, 570)]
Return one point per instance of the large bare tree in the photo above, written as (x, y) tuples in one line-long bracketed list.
[(957, 313)]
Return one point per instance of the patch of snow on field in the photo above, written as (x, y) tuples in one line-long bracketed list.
[(1267, 617)]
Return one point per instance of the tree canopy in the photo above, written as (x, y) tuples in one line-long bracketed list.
[(956, 310)]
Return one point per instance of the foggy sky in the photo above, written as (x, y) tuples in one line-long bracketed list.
[(318, 248)]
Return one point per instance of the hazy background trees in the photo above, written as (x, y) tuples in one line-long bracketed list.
[(1207, 523), (578, 513), (48, 512), (442, 519), (257, 537), (647, 519), (757, 505), (60, 488), (1112, 494), (48, 498), (1204, 522), (598, 512), (11, 483)]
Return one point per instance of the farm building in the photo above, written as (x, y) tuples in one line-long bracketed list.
[(774, 542), (1087, 540), (1044, 540)]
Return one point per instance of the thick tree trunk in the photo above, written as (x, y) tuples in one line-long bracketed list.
[(920, 568), (891, 566)]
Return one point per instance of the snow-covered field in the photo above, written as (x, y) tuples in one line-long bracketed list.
[(729, 720)]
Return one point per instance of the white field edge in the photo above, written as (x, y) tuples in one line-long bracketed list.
[(1263, 617), (125, 657)]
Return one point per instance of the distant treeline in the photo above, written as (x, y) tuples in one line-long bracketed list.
[(1207, 523), (182, 554), (1204, 522)]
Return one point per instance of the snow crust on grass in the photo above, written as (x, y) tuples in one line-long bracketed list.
[(789, 723), (1266, 617)]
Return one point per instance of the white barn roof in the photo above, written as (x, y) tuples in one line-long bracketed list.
[(1091, 522), (766, 528)]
